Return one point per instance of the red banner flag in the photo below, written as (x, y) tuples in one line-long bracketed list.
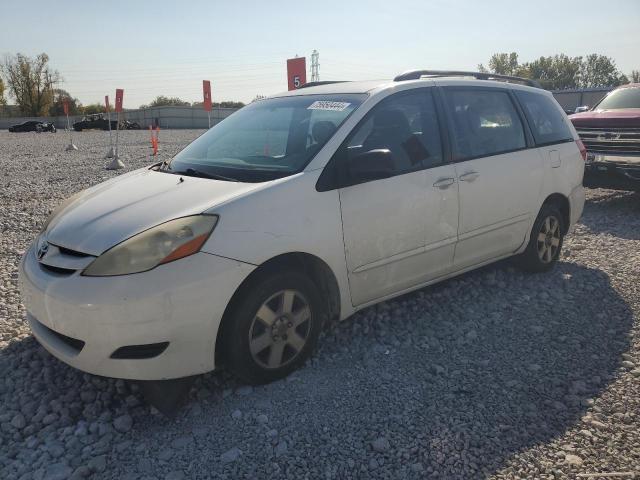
[(106, 102), (65, 106), (119, 95), (296, 72), (206, 92)]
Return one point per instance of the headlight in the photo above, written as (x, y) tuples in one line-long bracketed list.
[(162, 244)]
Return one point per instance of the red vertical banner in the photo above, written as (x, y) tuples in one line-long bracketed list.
[(119, 97), (106, 102), (65, 105), (296, 72), (206, 94)]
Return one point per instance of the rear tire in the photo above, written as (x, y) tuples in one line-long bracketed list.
[(545, 243), (272, 327)]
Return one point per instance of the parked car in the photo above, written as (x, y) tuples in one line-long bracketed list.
[(94, 121), (33, 126), (611, 133), (97, 121), (298, 209)]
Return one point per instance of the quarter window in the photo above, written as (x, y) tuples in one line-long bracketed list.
[(406, 124), (548, 124), (484, 122)]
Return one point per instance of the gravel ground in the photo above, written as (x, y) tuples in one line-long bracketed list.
[(495, 374)]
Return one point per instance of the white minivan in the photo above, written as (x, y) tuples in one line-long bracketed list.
[(301, 208)]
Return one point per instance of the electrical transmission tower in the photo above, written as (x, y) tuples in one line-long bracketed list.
[(315, 75)]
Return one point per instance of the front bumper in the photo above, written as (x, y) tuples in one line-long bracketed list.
[(84, 320), (612, 171)]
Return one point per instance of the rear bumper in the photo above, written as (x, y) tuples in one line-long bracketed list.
[(84, 320)]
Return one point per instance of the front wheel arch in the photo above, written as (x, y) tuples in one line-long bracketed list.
[(314, 267)]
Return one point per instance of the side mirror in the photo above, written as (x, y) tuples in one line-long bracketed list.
[(583, 108), (371, 165)]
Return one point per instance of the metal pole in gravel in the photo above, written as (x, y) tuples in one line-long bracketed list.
[(110, 153), (116, 164), (65, 106)]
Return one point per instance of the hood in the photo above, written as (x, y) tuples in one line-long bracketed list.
[(627, 117), (105, 215)]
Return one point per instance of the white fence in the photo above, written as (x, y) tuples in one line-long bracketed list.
[(164, 117)]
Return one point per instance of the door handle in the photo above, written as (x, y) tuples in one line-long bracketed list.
[(444, 182), (469, 176)]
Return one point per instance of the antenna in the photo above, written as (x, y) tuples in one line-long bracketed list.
[(315, 75)]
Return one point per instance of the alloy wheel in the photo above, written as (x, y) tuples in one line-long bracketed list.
[(548, 239), (280, 329)]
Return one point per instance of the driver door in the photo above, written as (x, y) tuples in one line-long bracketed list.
[(399, 231)]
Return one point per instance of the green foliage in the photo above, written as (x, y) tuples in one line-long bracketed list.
[(504, 63), (95, 108), (162, 101), (554, 73), (558, 72), (30, 81), (57, 107), (635, 76), (223, 104), (600, 71)]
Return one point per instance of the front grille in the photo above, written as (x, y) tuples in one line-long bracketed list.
[(615, 140), (58, 270), (73, 253), (63, 261)]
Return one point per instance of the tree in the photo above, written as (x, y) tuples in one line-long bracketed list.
[(95, 108), (554, 73), (2, 99), (559, 72), (600, 71), (30, 81), (57, 108), (504, 63), (635, 76), (223, 104), (162, 101), (228, 104)]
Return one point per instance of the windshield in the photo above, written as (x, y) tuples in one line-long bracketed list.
[(267, 139), (622, 98)]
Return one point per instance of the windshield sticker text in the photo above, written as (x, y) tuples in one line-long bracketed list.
[(327, 105)]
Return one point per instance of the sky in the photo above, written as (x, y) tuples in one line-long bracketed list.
[(167, 47)]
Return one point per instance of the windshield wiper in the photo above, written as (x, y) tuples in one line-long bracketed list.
[(192, 172)]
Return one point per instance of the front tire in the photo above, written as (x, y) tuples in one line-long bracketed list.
[(273, 326), (545, 243)]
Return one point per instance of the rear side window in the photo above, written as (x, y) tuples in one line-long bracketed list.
[(484, 122), (548, 123)]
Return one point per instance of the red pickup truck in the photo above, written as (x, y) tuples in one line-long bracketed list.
[(611, 133)]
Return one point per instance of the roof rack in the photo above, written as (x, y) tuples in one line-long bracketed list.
[(316, 84), (417, 74)]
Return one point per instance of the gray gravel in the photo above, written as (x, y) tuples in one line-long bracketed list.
[(496, 374)]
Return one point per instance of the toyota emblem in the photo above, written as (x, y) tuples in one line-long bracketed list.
[(42, 250)]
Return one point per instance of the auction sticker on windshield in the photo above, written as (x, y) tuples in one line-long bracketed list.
[(327, 105)]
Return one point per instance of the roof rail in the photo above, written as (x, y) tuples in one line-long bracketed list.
[(417, 74), (316, 84)]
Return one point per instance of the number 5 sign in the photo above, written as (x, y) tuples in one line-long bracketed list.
[(296, 72)]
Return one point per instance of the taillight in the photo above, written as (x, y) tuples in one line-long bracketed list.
[(583, 149)]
